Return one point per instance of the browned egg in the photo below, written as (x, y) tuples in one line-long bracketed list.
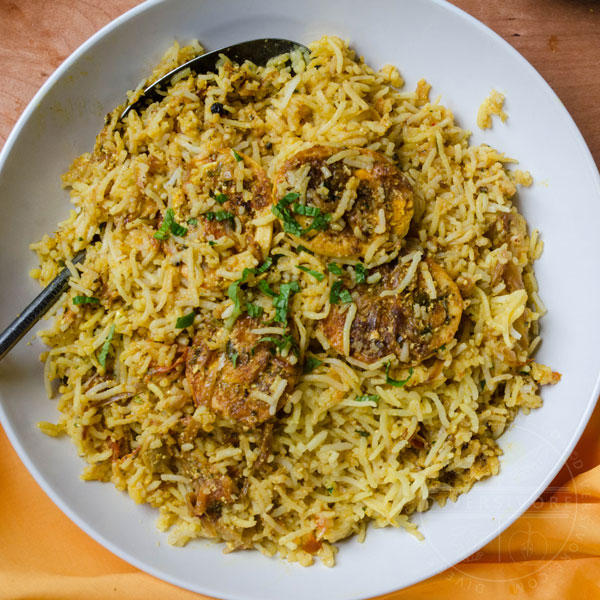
[(240, 188), (365, 196), (411, 324), (230, 382)]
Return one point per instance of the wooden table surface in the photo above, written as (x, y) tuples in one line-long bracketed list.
[(560, 38)]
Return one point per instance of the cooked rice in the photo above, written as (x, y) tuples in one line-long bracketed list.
[(492, 105), (347, 448)]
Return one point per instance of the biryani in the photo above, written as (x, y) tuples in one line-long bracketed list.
[(307, 304)]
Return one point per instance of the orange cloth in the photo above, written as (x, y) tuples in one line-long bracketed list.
[(553, 551)]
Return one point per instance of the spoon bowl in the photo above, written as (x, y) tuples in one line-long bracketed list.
[(258, 51)]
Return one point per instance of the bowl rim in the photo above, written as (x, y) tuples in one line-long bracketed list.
[(90, 530)]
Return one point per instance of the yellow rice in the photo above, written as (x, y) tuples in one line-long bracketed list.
[(336, 463)]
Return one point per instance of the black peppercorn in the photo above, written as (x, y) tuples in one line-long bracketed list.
[(218, 109)]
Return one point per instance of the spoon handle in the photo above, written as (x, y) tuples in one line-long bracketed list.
[(36, 309)]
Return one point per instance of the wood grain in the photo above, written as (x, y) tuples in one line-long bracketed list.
[(560, 38)]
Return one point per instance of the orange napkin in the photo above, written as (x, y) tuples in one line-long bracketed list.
[(553, 551)]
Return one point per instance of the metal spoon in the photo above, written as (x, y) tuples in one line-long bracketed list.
[(258, 52)]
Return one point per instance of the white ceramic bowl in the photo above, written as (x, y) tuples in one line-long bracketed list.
[(463, 60)]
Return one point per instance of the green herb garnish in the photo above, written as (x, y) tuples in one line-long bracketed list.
[(367, 398), (311, 364), (334, 268), (309, 211), (334, 292), (362, 433), (281, 211), (220, 215), (318, 276), (360, 273), (163, 231), (212, 243), (397, 382), (345, 296), (290, 225), (266, 265), (192, 222), (233, 291), (85, 300), (106, 346), (254, 310), (220, 198), (178, 230), (281, 301), (280, 342), (302, 248), (237, 157), (185, 321), (169, 225), (265, 288), (339, 292), (319, 223)]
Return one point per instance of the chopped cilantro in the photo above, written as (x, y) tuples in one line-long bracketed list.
[(289, 198), (367, 398), (397, 382), (309, 211), (169, 225), (264, 266), (311, 364), (185, 321), (192, 222), (338, 292), (237, 157), (106, 346), (220, 215), (345, 296), (280, 342), (360, 273), (220, 198), (163, 231), (281, 211), (334, 268), (329, 490), (254, 310), (290, 225), (281, 301), (334, 292), (302, 248), (265, 288), (318, 276), (233, 291), (212, 243), (85, 300), (319, 223), (178, 230)]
